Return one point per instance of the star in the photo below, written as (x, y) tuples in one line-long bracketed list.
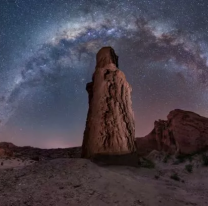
[(48, 52)]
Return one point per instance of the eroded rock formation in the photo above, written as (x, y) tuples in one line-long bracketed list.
[(110, 121), (183, 133), (6, 149)]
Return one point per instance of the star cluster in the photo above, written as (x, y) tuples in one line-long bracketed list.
[(48, 53)]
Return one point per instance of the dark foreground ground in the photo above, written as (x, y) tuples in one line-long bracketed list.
[(80, 182)]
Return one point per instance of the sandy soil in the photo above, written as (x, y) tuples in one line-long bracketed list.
[(14, 163), (75, 181)]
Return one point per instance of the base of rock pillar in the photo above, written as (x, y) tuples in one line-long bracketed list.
[(130, 159)]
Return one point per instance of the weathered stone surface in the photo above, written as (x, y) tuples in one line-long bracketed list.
[(183, 133), (6, 149), (106, 56), (110, 122)]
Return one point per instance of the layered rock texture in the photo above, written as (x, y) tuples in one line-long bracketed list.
[(110, 126), (183, 133)]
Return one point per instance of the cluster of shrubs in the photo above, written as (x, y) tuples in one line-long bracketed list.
[(180, 159), (205, 159), (144, 162)]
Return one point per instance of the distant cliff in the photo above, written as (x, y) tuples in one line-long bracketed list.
[(184, 132)]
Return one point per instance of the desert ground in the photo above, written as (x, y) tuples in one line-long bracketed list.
[(70, 181)]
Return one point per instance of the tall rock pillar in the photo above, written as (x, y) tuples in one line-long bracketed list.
[(110, 125)]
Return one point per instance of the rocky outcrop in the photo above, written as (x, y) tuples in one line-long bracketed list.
[(183, 133), (7, 145), (110, 121), (6, 149)]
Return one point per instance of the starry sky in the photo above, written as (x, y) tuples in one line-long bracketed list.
[(47, 55)]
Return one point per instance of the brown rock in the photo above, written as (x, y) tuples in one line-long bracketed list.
[(7, 145), (5, 152), (6, 149), (106, 56), (183, 133), (110, 122), (2, 152)]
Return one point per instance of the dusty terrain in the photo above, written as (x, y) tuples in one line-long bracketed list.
[(76, 181)]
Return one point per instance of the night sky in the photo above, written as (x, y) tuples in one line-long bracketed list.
[(47, 55)]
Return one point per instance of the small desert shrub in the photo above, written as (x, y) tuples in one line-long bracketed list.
[(166, 158), (147, 163), (35, 158), (190, 158), (189, 168), (181, 158), (48, 156), (204, 159), (176, 162), (175, 177)]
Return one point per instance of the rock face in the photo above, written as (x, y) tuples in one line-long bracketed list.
[(183, 133), (6, 149), (110, 122)]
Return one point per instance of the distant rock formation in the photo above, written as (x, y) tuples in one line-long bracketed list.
[(183, 133), (7, 145), (110, 125), (6, 149)]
